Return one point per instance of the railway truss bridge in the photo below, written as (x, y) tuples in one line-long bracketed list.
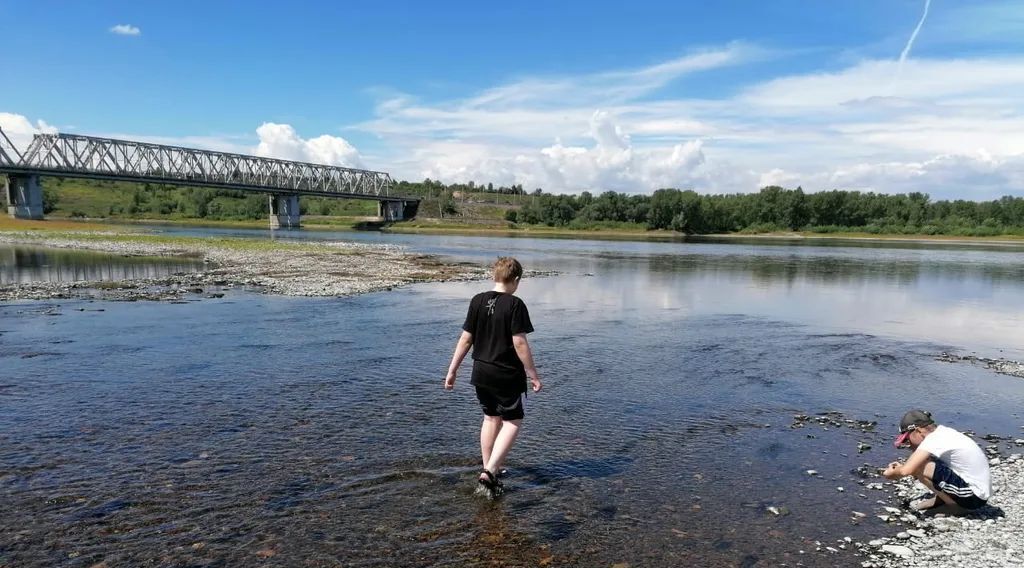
[(76, 156)]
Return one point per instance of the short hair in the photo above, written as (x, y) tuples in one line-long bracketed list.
[(507, 269)]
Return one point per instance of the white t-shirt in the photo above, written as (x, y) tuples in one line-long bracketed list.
[(963, 456)]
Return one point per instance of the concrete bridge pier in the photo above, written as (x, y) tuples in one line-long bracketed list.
[(391, 210), (24, 196), (284, 211)]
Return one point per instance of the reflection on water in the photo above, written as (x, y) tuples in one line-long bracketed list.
[(21, 265), (297, 431)]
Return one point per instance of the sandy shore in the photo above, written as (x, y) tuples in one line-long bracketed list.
[(292, 269)]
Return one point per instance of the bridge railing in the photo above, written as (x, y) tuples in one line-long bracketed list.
[(75, 154)]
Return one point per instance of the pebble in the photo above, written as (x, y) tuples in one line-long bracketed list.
[(901, 551)]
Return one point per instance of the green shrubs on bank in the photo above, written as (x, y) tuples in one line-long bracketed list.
[(486, 207)]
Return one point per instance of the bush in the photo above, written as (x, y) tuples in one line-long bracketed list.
[(762, 228)]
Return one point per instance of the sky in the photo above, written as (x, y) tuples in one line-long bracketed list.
[(890, 96)]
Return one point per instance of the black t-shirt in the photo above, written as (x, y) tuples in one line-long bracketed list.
[(493, 318)]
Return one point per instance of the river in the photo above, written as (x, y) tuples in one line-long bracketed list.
[(315, 432)]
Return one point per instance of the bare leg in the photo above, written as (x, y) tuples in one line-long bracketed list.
[(502, 445), (488, 432), (925, 477)]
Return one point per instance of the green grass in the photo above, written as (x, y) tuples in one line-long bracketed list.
[(87, 198), (49, 225)]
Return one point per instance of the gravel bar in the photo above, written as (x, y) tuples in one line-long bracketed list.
[(290, 269)]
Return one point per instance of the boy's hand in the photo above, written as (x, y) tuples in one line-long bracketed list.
[(535, 383), (890, 472), (449, 381)]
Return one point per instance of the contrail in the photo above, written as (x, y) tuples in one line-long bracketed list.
[(913, 36)]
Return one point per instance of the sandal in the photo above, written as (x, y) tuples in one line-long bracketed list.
[(489, 480)]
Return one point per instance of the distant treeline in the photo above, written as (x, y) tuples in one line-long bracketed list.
[(778, 209), (772, 209)]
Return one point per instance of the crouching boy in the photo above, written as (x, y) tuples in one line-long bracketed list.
[(944, 460)]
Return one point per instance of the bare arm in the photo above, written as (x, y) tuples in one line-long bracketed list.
[(522, 347), (914, 465), (461, 348)]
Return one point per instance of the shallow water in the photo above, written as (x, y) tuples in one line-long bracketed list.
[(315, 432), (22, 264)]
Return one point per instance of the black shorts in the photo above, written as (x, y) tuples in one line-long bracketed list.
[(947, 481), (507, 406)]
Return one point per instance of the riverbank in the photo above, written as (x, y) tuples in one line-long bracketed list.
[(983, 538), (504, 229), (285, 268), (640, 234), (990, 537)]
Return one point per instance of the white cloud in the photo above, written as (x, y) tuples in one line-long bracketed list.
[(281, 141), (609, 162), (19, 129), (125, 29), (978, 176)]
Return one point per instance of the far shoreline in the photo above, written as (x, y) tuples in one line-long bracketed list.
[(364, 224)]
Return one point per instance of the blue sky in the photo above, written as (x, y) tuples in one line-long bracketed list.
[(569, 96)]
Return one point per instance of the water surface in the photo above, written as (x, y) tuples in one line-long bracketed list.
[(24, 264), (295, 431)]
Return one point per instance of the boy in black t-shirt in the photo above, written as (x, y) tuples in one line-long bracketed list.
[(496, 328)]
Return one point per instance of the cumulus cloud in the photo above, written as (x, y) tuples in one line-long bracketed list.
[(978, 176), (281, 141), (608, 162), (20, 129), (126, 30)]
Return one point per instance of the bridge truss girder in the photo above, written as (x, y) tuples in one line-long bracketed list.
[(7, 151), (105, 158)]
